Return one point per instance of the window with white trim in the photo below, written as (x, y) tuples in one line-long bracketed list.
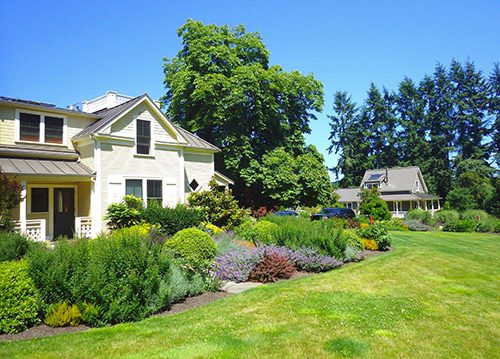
[(133, 187), (417, 185), (143, 137), (154, 191), (36, 127), (39, 200), (151, 192)]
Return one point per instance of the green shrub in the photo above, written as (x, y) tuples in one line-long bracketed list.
[(90, 314), (296, 233), (61, 314), (379, 233), (195, 248), (10, 197), (18, 298), (124, 214), (352, 239), (372, 205), (184, 284), (462, 225), (171, 220), (12, 246), (262, 231), (419, 215), (416, 225), (474, 214), (395, 224), (446, 216), (218, 206), (122, 275)]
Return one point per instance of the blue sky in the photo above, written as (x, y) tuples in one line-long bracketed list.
[(63, 52)]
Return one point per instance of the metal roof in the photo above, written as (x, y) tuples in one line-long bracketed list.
[(21, 166), (195, 141), (398, 178), (38, 151), (348, 194)]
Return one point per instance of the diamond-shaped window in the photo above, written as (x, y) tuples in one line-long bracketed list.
[(194, 185)]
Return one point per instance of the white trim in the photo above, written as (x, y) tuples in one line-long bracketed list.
[(41, 134), (22, 206), (181, 191), (95, 199), (145, 186), (152, 149), (157, 111)]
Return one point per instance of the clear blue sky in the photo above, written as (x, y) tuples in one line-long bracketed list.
[(63, 52)]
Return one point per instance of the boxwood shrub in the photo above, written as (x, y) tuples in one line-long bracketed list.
[(171, 220), (194, 248), (462, 225), (18, 298), (13, 246)]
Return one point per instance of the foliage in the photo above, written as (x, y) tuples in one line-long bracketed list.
[(235, 264), (288, 180), (225, 242), (260, 212), (271, 268), (372, 205), (395, 224), (218, 206), (121, 275), (462, 225), (477, 215), (221, 86), (296, 233), (417, 225), (195, 248), (370, 244), (262, 231), (124, 214), (171, 220), (211, 229), (12, 246), (183, 284), (445, 216), (352, 239), (10, 197), (419, 215), (18, 298), (61, 314), (379, 233), (444, 122), (310, 260)]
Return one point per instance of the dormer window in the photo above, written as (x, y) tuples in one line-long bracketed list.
[(40, 128), (369, 185), (143, 137)]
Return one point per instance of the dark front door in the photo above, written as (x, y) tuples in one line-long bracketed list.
[(64, 212)]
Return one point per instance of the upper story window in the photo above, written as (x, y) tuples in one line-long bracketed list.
[(369, 185), (143, 137), (417, 186), (36, 127)]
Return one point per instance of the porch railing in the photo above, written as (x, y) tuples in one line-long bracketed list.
[(83, 227), (34, 229)]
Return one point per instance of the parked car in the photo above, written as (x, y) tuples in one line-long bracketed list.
[(327, 213), (286, 213)]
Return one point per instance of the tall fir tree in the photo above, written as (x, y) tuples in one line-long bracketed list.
[(494, 111)]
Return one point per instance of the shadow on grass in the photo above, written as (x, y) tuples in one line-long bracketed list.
[(347, 347)]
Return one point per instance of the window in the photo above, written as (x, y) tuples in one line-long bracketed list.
[(154, 191), (133, 187), (193, 184), (143, 137), (29, 127), (54, 129), (371, 184), (41, 128), (417, 185), (39, 200)]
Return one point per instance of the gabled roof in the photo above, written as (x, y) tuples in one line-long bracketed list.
[(394, 179), (107, 116)]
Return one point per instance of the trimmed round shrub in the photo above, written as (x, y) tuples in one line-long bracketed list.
[(475, 214), (61, 314), (171, 220), (446, 216), (272, 268), (18, 298), (12, 246), (195, 248)]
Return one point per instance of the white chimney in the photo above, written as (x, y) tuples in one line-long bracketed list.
[(108, 100)]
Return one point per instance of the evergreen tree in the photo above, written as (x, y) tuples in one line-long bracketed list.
[(494, 111)]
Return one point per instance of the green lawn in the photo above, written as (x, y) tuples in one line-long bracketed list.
[(434, 295)]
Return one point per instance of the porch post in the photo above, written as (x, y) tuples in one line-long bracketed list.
[(22, 207), (397, 208), (439, 206)]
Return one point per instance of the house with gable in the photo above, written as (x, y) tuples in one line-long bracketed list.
[(403, 188), (73, 163)]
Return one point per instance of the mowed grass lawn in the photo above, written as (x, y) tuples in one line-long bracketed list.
[(434, 295)]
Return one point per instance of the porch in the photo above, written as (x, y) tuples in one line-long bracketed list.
[(56, 197), (399, 209)]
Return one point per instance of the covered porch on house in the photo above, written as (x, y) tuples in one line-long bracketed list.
[(56, 198), (400, 205)]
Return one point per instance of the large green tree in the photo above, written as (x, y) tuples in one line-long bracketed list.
[(221, 86)]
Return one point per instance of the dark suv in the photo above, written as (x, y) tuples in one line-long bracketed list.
[(327, 213)]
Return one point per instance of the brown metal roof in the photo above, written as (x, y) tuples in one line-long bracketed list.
[(21, 166), (37, 151)]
